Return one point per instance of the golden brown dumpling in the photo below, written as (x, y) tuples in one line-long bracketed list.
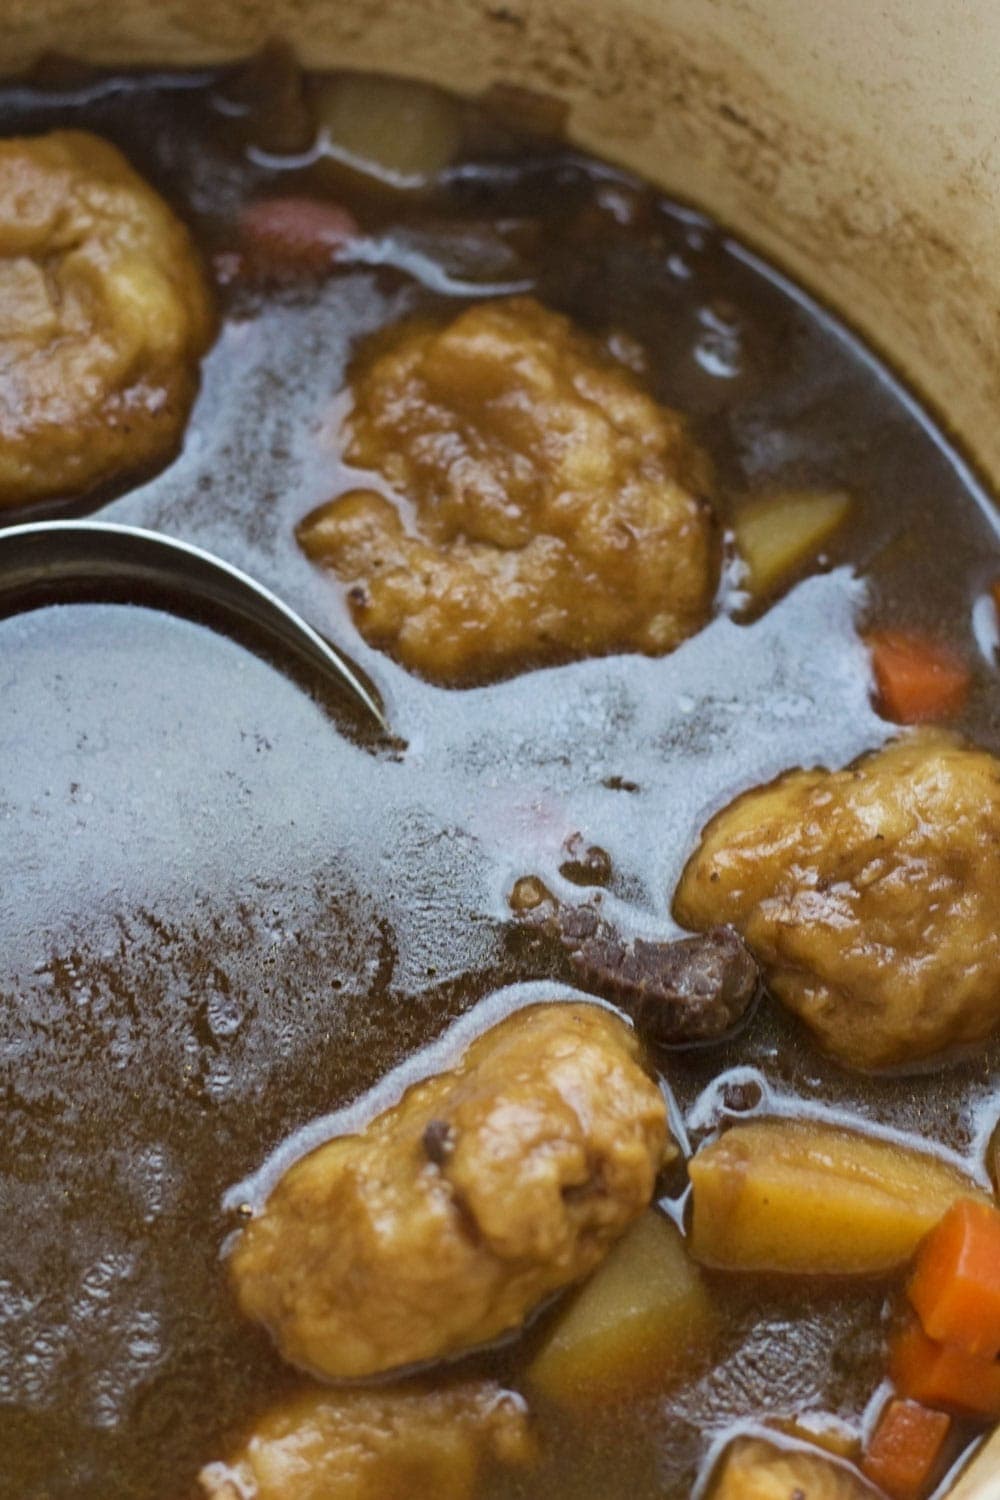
[(104, 314), (556, 507), (453, 1214), (869, 896), (407, 1443)]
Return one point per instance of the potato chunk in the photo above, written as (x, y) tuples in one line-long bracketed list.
[(104, 314), (457, 1211), (776, 535), (400, 132), (753, 1469), (557, 509), (869, 896), (380, 1444), (807, 1197), (642, 1319)]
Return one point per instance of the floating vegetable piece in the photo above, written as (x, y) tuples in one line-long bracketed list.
[(776, 535), (643, 1318), (752, 1469), (811, 1198), (905, 1454), (294, 236), (821, 1429), (955, 1286), (918, 680), (943, 1375), (401, 132)]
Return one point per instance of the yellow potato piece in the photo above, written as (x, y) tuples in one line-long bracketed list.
[(401, 132), (816, 1199), (778, 534), (752, 1469), (643, 1318), (821, 1429)]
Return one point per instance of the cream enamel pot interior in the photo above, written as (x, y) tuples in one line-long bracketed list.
[(858, 143)]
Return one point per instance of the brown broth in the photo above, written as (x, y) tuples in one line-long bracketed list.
[(221, 919)]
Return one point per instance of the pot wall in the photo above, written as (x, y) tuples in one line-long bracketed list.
[(856, 142)]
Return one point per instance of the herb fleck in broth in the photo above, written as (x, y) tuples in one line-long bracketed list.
[(222, 920)]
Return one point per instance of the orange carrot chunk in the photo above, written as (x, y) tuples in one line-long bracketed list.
[(955, 1286), (294, 236), (904, 1455), (943, 1375), (917, 679)]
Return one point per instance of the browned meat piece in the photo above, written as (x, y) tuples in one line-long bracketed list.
[(752, 1469), (869, 895), (456, 1212), (382, 1444), (678, 992), (556, 507), (104, 315)]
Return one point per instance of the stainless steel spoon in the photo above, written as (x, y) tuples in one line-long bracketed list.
[(55, 561)]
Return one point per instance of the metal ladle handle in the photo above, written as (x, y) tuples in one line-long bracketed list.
[(55, 561)]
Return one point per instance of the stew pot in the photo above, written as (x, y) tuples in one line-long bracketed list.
[(856, 143)]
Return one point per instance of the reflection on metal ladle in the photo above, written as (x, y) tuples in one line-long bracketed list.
[(51, 562)]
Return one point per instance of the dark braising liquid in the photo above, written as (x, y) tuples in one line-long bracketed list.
[(222, 918)]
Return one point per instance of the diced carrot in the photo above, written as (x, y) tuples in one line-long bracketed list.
[(944, 1376), (294, 236), (955, 1286), (904, 1454), (918, 679)]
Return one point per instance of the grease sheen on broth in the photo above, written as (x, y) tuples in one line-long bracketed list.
[(222, 919)]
